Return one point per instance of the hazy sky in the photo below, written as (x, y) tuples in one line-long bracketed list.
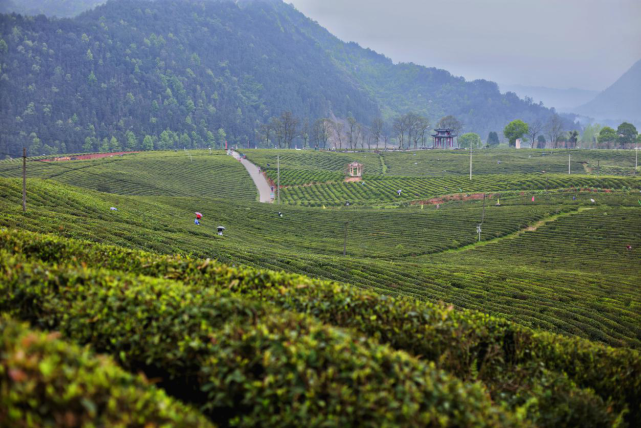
[(586, 44)]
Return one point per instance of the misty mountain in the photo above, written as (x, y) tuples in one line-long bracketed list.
[(61, 8), (563, 100), (192, 73), (621, 101)]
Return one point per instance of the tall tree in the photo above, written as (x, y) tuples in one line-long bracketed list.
[(377, 130), (534, 129), (400, 127), (607, 137), (450, 122), (515, 130), (493, 139), (554, 130), (290, 127), (470, 140), (352, 131), (627, 133), (320, 133), (337, 127), (573, 138)]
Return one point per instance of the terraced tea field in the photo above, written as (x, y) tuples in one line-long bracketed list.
[(472, 323), (395, 251), (383, 190)]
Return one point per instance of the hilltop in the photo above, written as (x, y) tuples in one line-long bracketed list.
[(176, 74)]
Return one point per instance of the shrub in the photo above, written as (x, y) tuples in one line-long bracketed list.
[(45, 381)]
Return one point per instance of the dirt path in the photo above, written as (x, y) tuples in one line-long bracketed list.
[(264, 190)]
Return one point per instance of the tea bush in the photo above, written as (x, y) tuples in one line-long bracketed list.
[(46, 381)]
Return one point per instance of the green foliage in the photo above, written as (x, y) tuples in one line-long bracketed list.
[(627, 133), (242, 361), (515, 130), (469, 139), (45, 381), (607, 136), (181, 71), (521, 368), (493, 139)]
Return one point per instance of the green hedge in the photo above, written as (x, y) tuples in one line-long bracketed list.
[(546, 373), (241, 361), (45, 381)]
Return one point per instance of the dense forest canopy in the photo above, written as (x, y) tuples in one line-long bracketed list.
[(135, 74)]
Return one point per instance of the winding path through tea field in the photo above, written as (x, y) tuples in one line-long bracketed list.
[(264, 190)]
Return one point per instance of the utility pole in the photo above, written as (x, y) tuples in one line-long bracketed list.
[(470, 161), (569, 167), (636, 158), (278, 182), (24, 180), (345, 241)]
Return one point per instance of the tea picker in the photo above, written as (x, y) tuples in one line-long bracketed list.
[(280, 214), (399, 192), (220, 230), (113, 209)]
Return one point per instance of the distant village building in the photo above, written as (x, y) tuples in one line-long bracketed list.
[(518, 143), (444, 139)]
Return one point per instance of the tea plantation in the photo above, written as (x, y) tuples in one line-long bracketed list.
[(536, 321)]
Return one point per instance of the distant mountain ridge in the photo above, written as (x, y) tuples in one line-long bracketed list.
[(621, 101), (563, 100), (193, 73)]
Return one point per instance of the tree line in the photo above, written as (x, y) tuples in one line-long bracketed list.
[(554, 135)]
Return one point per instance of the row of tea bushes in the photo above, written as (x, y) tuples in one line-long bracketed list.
[(547, 372), (46, 381), (241, 361), (383, 189)]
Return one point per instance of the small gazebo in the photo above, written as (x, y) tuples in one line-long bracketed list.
[(354, 172), (355, 169), (444, 138)]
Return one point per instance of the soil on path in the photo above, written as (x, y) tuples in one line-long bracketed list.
[(264, 189)]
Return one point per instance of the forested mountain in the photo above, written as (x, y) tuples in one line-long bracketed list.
[(62, 8), (621, 101), (137, 74)]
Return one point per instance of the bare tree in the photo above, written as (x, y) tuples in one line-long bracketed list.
[(305, 132), (554, 129), (450, 122), (320, 133), (377, 130), (290, 127), (352, 132), (265, 133), (278, 131), (400, 127), (423, 127), (337, 127), (535, 128)]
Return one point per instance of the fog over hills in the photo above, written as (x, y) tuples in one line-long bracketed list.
[(621, 101)]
